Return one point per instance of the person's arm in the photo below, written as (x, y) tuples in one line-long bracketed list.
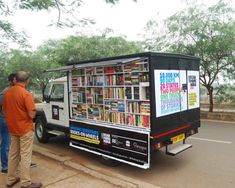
[(30, 106), (32, 114), (1, 97)]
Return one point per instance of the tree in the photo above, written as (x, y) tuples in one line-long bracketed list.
[(78, 48), (33, 62), (225, 93), (204, 32), (4, 75)]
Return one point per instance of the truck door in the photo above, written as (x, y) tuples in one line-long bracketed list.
[(58, 106)]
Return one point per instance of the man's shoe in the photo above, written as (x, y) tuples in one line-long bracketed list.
[(4, 171), (33, 165), (33, 185), (13, 183)]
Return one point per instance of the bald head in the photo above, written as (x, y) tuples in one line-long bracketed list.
[(22, 76)]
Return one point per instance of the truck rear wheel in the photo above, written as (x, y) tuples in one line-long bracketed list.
[(41, 131)]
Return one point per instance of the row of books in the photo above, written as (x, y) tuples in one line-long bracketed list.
[(97, 113), (94, 95), (138, 107), (118, 106), (99, 70), (137, 120), (130, 67), (78, 81), (79, 97), (113, 69), (95, 80), (114, 117), (136, 66), (131, 106), (79, 111), (112, 80), (135, 78), (98, 94), (114, 93)]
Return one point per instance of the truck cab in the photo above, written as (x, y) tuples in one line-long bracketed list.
[(52, 117)]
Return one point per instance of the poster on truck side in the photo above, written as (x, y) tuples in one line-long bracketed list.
[(175, 91), (124, 145), (193, 90)]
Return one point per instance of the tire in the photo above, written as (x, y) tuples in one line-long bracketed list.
[(109, 162), (41, 131)]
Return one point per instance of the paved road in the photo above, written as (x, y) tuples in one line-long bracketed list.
[(209, 164)]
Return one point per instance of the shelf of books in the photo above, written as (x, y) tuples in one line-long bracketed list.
[(117, 94)]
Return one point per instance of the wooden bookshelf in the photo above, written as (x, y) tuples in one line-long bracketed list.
[(117, 94)]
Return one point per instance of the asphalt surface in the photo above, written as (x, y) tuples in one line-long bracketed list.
[(209, 163)]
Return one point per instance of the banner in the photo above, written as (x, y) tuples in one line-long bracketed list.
[(193, 90), (129, 146), (175, 91)]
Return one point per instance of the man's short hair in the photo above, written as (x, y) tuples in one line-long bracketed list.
[(22, 76), (11, 77)]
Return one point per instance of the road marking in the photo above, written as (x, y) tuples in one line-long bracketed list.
[(210, 140)]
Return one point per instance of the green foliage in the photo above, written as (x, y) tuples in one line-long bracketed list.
[(225, 93), (3, 76), (204, 32), (36, 4), (34, 63), (74, 49)]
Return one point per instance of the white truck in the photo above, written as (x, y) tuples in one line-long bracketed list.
[(124, 108)]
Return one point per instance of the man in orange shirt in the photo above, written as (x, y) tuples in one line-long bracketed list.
[(19, 109)]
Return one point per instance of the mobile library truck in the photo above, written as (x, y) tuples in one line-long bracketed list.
[(124, 108)]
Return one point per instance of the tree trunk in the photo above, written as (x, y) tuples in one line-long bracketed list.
[(210, 93)]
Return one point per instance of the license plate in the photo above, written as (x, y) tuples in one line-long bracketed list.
[(178, 138)]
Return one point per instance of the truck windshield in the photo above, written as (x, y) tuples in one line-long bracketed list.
[(57, 93)]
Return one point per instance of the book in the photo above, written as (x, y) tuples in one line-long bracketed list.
[(99, 70), (128, 93)]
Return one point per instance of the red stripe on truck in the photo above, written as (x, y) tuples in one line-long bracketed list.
[(172, 131)]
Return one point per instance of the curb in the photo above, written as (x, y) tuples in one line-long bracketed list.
[(221, 116), (113, 178)]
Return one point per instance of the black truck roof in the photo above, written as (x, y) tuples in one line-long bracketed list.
[(143, 54)]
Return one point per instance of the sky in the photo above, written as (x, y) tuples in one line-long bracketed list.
[(127, 18)]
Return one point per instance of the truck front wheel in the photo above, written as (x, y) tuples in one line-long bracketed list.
[(41, 131)]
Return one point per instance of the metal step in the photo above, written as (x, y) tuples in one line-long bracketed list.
[(178, 149), (54, 132)]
